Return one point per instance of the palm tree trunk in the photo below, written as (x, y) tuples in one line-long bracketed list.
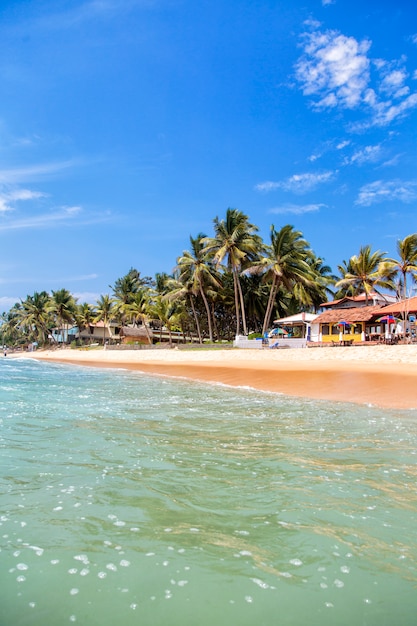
[(197, 323), (213, 317), (148, 334), (236, 288), (270, 304), (242, 307), (203, 295)]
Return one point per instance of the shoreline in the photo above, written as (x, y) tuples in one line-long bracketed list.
[(382, 376)]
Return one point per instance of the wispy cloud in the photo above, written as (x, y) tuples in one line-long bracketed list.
[(336, 72), (71, 215), (296, 209), (326, 2), (387, 191), (89, 11), (367, 154), (342, 144), (298, 183), (7, 199), (7, 302), (87, 296), (31, 173)]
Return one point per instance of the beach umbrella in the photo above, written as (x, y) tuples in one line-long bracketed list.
[(343, 323), (387, 319), (279, 331)]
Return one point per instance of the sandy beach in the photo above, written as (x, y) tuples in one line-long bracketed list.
[(384, 376)]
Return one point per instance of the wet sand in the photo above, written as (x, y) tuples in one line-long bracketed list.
[(384, 376)]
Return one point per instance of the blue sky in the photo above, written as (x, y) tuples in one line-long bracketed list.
[(128, 125)]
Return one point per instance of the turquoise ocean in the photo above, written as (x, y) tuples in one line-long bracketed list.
[(128, 499)]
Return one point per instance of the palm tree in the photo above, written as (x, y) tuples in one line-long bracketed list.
[(345, 269), (365, 272), (124, 290), (406, 264), (104, 311), (182, 289), (84, 317), (166, 312), (193, 266), (312, 295), (235, 240), (284, 264), (138, 309), (63, 305), (33, 315)]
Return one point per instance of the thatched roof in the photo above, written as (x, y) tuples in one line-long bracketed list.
[(356, 314), (135, 332)]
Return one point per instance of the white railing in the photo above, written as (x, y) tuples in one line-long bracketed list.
[(254, 344)]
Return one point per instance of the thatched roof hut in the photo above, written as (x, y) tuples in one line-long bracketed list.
[(137, 334)]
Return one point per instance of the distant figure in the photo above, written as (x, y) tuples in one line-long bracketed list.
[(5, 351)]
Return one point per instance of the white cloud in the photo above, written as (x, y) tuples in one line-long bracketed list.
[(326, 2), (8, 198), (342, 144), (334, 68), (267, 186), (296, 209), (298, 183), (368, 154), (335, 72), (386, 191)]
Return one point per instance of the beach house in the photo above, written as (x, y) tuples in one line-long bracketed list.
[(352, 319)]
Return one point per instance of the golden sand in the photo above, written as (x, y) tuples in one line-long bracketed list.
[(380, 375)]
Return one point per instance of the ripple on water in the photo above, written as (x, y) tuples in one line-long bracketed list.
[(144, 494)]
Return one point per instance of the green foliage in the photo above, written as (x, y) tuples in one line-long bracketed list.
[(223, 283)]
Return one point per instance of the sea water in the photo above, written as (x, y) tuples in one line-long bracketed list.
[(131, 499)]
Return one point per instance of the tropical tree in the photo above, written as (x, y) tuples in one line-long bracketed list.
[(312, 294), (366, 272), (351, 289), (63, 305), (104, 312), (182, 289), (124, 290), (84, 317), (405, 265), (195, 267), (33, 316), (255, 295), (166, 312), (284, 265), (235, 241), (137, 310)]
